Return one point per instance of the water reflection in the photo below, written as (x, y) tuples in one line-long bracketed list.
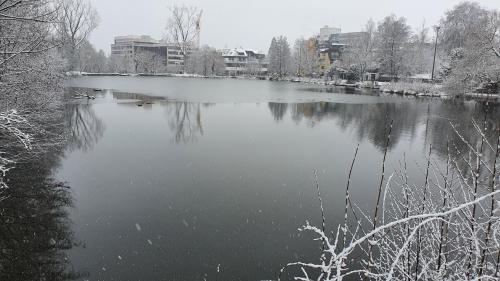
[(198, 205), (369, 121), (35, 230), (85, 128), (278, 110), (436, 117), (140, 98), (185, 120)]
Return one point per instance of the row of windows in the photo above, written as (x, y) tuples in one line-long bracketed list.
[(114, 52)]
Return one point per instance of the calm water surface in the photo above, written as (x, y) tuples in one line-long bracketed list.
[(172, 177)]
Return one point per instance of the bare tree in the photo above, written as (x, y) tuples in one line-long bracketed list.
[(90, 59), (30, 77), (120, 64), (419, 52), (183, 28), (77, 19), (360, 54), (305, 57), (148, 62), (25, 30), (206, 61)]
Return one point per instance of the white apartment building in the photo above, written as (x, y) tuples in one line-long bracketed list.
[(244, 61)]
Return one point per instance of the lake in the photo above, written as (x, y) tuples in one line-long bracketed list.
[(173, 178)]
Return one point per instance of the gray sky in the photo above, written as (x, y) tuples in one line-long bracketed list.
[(252, 23)]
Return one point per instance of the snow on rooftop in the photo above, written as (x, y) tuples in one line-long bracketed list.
[(238, 52)]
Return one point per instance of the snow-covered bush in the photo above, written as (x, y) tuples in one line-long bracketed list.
[(417, 87), (447, 228)]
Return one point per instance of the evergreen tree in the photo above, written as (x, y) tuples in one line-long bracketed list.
[(279, 57)]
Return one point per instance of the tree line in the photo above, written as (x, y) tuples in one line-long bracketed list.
[(467, 50), (39, 41)]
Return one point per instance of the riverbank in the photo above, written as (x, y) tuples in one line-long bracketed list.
[(415, 89), (429, 90)]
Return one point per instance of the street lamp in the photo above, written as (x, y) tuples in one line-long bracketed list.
[(437, 27)]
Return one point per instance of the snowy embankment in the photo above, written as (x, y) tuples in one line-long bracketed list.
[(413, 89), (427, 90), (399, 88), (79, 73)]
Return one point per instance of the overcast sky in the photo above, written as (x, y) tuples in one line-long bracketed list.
[(252, 23)]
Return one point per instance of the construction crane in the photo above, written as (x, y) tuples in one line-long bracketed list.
[(198, 28)]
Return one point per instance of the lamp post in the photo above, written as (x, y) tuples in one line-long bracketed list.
[(435, 49)]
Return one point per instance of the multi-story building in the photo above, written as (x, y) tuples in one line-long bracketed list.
[(338, 43), (347, 37), (129, 47), (326, 32), (244, 61)]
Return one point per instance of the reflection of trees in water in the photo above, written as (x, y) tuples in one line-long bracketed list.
[(463, 116), (278, 110), (370, 121), (184, 119), (35, 230), (84, 127)]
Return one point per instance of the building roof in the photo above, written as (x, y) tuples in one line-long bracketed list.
[(238, 52), (136, 39)]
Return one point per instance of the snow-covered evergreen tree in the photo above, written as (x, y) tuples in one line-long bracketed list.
[(279, 57)]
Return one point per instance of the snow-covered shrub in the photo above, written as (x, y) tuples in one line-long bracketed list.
[(446, 228)]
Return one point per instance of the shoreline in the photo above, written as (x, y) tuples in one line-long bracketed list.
[(381, 87)]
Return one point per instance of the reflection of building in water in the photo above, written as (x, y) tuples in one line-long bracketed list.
[(145, 99)]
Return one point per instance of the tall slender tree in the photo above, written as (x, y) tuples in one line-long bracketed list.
[(279, 57), (393, 34), (305, 57)]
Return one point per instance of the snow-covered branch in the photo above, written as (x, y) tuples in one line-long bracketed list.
[(446, 229), (10, 123)]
